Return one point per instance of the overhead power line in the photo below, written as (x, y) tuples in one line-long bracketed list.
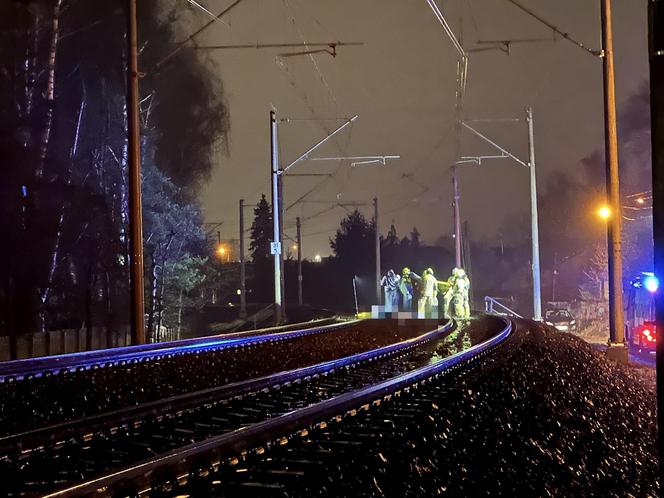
[(555, 29), (327, 47), (446, 27), (205, 9), (191, 37), (505, 46)]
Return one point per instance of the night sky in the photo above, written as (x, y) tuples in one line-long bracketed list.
[(401, 83)]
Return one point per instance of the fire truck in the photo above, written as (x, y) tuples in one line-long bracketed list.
[(640, 329)]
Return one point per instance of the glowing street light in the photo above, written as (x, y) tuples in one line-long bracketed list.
[(604, 212), (318, 258), (222, 252)]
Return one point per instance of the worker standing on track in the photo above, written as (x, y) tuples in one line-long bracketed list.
[(406, 289), (449, 293), (390, 283), (461, 291), (415, 285), (428, 300)]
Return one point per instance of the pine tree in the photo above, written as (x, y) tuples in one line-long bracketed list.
[(261, 231), (353, 244)]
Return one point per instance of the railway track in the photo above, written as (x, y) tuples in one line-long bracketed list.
[(53, 398), (223, 446), (60, 456), (33, 368)]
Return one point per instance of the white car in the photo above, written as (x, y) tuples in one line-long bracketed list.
[(561, 320)]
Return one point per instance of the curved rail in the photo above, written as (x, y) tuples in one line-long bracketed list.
[(107, 421), (35, 367), (183, 461)]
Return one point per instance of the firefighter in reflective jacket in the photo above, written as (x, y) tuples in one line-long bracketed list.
[(448, 295), (429, 299), (461, 292)]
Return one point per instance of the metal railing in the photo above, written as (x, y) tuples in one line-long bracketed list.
[(492, 305)]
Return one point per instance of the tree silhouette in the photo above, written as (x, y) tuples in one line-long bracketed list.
[(261, 231), (353, 244), (63, 140), (391, 239), (261, 284)]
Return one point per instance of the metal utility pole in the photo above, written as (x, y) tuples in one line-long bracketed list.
[(614, 223), (282, 270), (377, 239), (243, 283), (656, 45), (458, 234), (276, 212), (457, 219), (534, 224), (299, 260), (462, 68), (135, 202)]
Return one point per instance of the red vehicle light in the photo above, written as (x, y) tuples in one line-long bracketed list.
[(648, 332)]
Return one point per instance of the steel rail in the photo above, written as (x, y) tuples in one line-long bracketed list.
[(56, 434), (35, 367), (181, 462)]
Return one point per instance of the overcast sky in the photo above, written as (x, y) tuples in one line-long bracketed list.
[(401, 83)]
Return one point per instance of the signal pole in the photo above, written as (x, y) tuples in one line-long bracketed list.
[(135, 198), (614, 225)]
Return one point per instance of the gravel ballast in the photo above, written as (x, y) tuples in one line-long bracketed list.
[(558, 419)]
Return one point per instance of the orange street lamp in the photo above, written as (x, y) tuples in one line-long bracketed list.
[(222, 251), (604, 212)]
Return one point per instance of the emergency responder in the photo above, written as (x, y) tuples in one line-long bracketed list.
[(461, 291), (415, 282), (406, 289), (429, 298), (390, 283), (449, 293)]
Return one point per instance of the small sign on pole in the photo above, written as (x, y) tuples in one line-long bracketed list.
[(275, 248)]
